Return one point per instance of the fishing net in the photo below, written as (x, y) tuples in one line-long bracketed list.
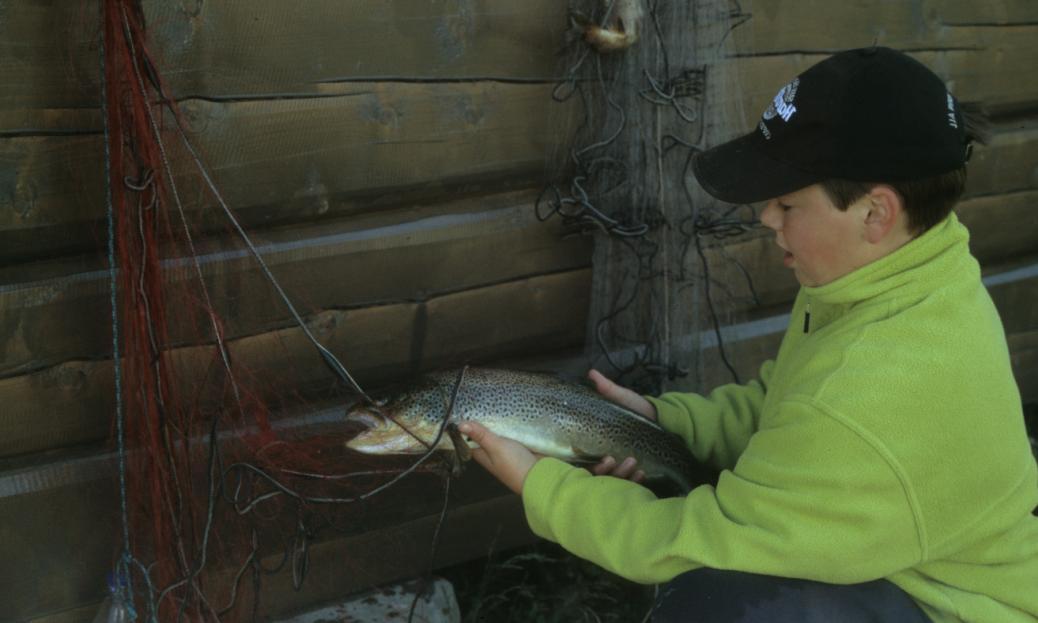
[(230, 448), (658, 293)]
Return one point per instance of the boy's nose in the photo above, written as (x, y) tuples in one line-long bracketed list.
[(771, 215)]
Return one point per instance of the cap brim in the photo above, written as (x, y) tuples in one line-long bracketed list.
[(739, 172)]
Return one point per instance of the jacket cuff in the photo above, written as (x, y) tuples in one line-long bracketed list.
[(539, 488), (671, 417)]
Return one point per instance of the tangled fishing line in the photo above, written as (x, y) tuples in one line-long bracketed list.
[(205, 471)]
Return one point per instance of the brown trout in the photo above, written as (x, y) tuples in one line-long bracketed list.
[(545, 414)]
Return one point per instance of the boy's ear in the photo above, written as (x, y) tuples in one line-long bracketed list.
[(885, 212)]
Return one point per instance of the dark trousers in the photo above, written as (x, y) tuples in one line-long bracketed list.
[(713, 596)]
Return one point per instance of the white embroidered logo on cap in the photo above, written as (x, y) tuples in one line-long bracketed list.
[(782, 104), (951, 112)]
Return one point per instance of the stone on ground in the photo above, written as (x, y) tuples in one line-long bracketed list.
[(391, 603)]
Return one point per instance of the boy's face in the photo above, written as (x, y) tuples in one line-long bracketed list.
[(822, 243)]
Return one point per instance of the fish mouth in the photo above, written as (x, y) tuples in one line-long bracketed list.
[(381, 434), (368, 417)]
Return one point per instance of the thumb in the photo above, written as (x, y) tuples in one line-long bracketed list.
[(602, 385), (621, 395), (612, 391), (480, 434)]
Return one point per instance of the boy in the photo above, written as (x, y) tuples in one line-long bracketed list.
[(879, 468)]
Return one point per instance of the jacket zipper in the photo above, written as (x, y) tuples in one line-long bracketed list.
[(807, 318)]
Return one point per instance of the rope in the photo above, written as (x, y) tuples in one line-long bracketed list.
[(123, 583)]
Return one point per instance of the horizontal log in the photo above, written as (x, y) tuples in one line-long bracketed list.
[(53, 203), (363, 263), (82, 614), (987, 12), (291, 160), (1001, 226), (61, 543), (782, 26), (72, 403), (58, 311), (1013, 288), (1009, 163), (49, 49), (233, 49), (1023, 348)]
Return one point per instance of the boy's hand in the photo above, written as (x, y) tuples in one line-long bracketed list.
[(621, 395), (507, 460), (628, 468)]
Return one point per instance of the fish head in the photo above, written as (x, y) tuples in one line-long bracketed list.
[(384, 431)]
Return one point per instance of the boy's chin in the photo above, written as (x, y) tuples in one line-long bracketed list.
[(804, 280)]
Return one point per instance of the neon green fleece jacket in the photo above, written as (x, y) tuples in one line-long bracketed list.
[(886, 441)]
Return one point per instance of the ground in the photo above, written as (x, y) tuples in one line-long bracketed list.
[(545, 584)]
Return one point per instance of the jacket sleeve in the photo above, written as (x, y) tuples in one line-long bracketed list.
[(808, 499), (716, 428)]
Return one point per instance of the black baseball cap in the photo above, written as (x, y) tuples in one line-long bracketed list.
[(869, 115)]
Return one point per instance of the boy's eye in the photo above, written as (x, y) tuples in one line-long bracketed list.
[(784, 207)]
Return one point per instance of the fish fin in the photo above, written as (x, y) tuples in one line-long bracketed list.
[(582, 456), (462, 452)]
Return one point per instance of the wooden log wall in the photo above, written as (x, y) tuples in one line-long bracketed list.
[(386, 155)]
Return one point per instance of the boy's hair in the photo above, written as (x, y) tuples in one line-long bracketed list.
[(927, 201)]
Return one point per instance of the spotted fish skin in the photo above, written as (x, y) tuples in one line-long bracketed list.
[(547, 415)]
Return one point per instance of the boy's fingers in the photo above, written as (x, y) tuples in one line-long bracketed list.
[(621, 395), (610, 390), (478, 433), (603, 385), (487, 442), (605, 466), (491, 448), (480, 456), (626, 468)]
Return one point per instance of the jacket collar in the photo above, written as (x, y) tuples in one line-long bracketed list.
[(925, 261)]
